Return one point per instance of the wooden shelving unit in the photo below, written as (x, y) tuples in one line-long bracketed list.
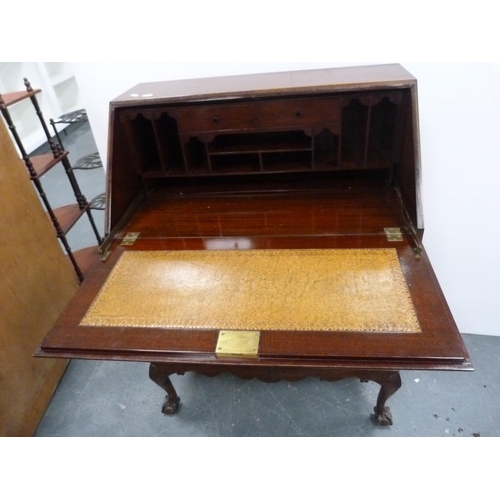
[(65, 217)]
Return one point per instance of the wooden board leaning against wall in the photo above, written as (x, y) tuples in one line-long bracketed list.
[(37, 282)]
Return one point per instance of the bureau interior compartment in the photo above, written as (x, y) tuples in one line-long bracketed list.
[(365, 137), (371, 132), (154, 145), (368, 133), (261, 152)]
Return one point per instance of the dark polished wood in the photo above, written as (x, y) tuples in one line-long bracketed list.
[(292, 227), (286, 83), (328, 159)]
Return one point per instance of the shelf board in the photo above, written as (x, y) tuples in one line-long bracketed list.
[(264, 147), (68, 215), (153, 174), (288, 167), (14, 97), (43, 163), (62, 77), (250, 168), (86, 258), (268, 168)]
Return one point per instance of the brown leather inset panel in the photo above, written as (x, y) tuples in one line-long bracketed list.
[(361, 290)]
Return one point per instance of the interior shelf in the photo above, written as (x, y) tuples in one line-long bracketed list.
[(260, 143), (235, 163)]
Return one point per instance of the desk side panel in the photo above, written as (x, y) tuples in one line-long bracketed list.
[(123, 183)]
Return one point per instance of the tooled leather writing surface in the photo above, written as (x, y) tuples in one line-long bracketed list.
[(308, 290)]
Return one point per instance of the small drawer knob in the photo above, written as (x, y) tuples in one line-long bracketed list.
[(216, 119), (298, 113)]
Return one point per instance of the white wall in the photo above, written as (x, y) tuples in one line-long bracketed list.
[(460, 140)]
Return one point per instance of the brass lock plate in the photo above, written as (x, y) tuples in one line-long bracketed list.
[(237, 344)]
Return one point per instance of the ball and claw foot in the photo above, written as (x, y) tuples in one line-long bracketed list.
[(384, 417), (170, 406)]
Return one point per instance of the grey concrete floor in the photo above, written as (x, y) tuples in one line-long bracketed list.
[(118, 399)]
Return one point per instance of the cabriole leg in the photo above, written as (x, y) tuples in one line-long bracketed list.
[(159, 375), (389, 382)]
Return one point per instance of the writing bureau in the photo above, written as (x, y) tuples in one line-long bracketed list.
[(267, 226)]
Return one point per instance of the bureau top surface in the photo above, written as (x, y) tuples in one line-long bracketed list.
[(268, 84)]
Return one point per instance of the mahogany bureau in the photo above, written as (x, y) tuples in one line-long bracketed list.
[(266, 226)]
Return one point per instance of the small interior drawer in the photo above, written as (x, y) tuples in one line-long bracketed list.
[(216, 118), (298, 112)]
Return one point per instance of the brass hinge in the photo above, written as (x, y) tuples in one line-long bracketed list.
[(393, 234), (129, 239), (417, 252), (237, 344), (103, 255)]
